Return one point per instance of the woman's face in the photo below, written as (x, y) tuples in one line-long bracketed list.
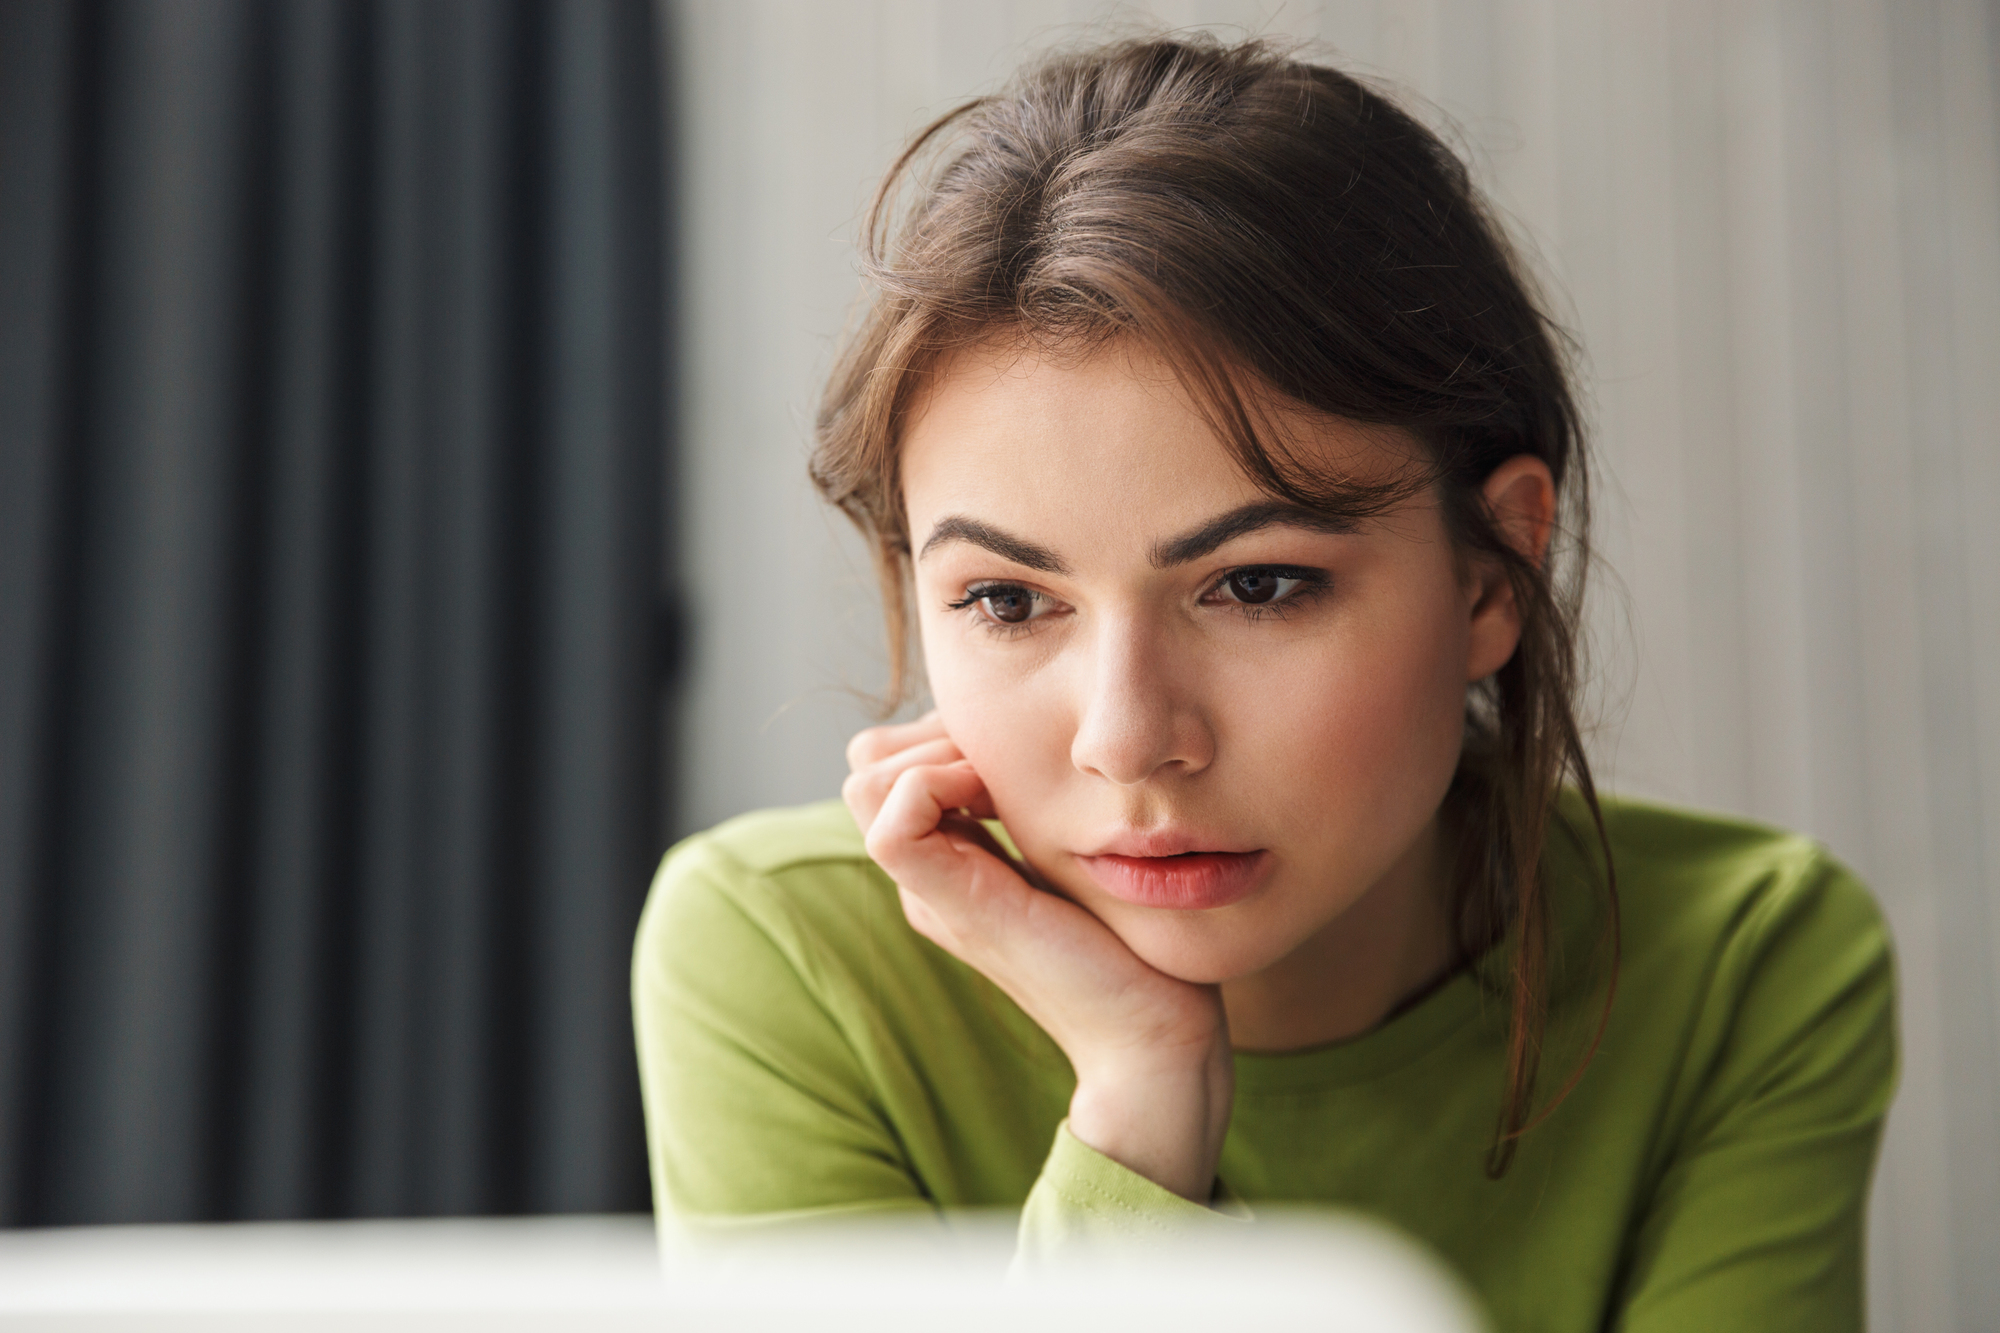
[(1215, 721)]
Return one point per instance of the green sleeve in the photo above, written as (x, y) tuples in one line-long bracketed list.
[(1084, 1202), (757, 1107), (1758, 1222)]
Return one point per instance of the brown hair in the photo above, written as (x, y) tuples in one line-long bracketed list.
[(1273, 228)]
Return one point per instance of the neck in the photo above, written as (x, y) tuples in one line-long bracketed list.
[(1393, 944)]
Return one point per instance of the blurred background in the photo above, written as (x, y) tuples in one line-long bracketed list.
[(404, 532)]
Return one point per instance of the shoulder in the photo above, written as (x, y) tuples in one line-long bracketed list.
[(1691, 878), (777, 933), (771, 841), (796, 880), (1757, 954)]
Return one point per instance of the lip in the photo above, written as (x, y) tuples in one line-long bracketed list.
[(1186, 881)]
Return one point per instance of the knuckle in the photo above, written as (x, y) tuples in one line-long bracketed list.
[(861, 748), (879, 845)]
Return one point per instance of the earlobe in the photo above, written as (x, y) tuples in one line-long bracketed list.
[(1495, 628)]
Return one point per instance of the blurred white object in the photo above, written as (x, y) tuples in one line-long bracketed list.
[(1329, 1274), (494, 1273)]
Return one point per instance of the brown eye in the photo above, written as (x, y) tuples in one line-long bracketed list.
[(1006, 604), (1256, 586), (1009, 606), (1275, 586)]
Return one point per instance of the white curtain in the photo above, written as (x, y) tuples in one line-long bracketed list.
[(1775, 228)]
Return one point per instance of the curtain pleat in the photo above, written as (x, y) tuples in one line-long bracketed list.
[(330, 414)]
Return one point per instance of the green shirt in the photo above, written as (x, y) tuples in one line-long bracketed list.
[(804, 1053)]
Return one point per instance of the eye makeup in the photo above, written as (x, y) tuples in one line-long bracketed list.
[(1255, 590)]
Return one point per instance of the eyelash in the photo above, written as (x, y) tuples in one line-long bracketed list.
[(1312, 583), (979, 592)]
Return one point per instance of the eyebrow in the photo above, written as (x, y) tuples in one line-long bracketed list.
[(1241, 522), (1222, 529), (959, 528)]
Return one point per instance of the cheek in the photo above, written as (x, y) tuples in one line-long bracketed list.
[(1375, 734), (1002, 717)]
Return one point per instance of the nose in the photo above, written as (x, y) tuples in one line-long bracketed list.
[(1138, 716)]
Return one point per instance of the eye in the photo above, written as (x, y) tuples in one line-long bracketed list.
[(1005, 603), (1259, 585)]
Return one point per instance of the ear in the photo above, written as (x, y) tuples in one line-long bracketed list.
[(1521, 498)]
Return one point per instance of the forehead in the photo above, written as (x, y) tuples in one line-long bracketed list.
[(1103, 447)]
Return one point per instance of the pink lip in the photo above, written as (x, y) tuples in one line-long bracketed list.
[(1187, 881)]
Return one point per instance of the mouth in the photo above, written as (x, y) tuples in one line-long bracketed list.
[(1187, 882)]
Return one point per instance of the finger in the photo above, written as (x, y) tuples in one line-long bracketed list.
[(866, 788), (878, 743), (966, 823), (873, 743), (906, 838), (963, 893), (948, 860)]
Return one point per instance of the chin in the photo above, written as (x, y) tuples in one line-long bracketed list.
[(1198, 952)]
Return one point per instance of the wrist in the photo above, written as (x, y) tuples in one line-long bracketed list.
[(1162, 1117)]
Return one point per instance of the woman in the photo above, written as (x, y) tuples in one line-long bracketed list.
[(1216, 445)]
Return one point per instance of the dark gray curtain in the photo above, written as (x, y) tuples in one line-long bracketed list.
[(330, 567)]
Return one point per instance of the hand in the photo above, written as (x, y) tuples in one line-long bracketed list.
[(1154, 1078)]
